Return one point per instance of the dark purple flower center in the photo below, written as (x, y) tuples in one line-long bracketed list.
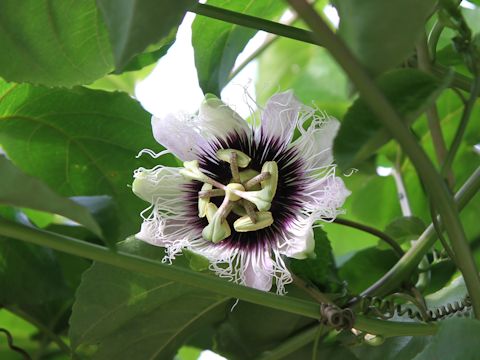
[(286, 202)]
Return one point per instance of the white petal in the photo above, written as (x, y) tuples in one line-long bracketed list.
[(162, 186), (315, 144), (258, 272), (147, 233), (280, 116), (298, 241), (323, 197), (178, 134), (216, 119)]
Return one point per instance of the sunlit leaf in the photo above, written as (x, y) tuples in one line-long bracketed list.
[(135, 24), (53, 43), (79, 142)]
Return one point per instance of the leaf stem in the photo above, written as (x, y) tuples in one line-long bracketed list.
[(254, 22), (188, 277), (371, 230), (393, 123), (433, 119), (407, 264), (467, 112)]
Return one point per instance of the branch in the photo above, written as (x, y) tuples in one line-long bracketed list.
[(199, 280), (254, 22), (375, 232)]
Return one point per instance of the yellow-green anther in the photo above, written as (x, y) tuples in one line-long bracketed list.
[(192, 171), (271, 182), (242, 159), (245, 224), (260, 198), (218, 228), (203, 201), (211, 211)]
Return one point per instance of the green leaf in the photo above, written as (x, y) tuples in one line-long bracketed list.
[(409, 91), (80, 142), (20, 190), (125, 82), (365, 267), (321, 270), (309, 71), (132, 316), (450, 108), (53, 43), (217, 43), (152, 54), (133, 25), (325, 351), (40, 279), (188, 353), (396, 348), (455, 339), (196, 261), (376, 31), (251, 329), (405, 228), (104, 211)]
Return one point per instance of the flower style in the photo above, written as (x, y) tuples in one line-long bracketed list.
[(247, 195)]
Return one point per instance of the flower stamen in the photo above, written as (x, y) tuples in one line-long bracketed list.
[(240, 193)]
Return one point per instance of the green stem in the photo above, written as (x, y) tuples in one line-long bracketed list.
[(396, 126), (433, 39), (294, 343), (433, 119), (269, 41), (407, 264), (254, 22), (467, 112), (375, 232), (199, 280)]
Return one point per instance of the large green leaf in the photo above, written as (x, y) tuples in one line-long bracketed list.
[(29, 275), (79, 142), (54, 43), (456, 339), (20, 190), (135, 24), (132, 316), (217, 43), (251, 329), (376, 30), (410, 92)]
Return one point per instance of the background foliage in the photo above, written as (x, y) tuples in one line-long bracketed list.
[(69, 150)]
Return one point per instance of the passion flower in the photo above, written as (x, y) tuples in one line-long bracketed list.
[(248, 195)]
